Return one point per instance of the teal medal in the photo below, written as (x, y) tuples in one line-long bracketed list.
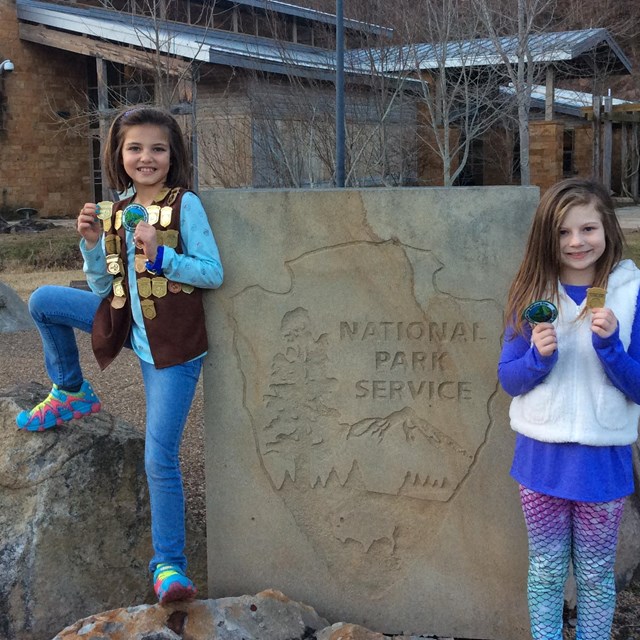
[(132, 215), (540, 311)]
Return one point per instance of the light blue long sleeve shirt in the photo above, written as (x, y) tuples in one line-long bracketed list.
[(198, 265)]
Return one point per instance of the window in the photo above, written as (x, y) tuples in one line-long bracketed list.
[(568, 153)]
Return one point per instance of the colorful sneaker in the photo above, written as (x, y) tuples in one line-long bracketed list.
[(170, 584), (58, 407)]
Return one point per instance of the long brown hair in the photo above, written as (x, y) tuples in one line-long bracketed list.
[(180, 163), (538, 275)]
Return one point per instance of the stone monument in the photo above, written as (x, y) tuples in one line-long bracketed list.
[(358, 444)]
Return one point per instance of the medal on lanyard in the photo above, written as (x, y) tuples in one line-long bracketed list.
[(132, 215)]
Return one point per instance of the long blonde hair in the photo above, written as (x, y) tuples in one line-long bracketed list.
[(538, 275)]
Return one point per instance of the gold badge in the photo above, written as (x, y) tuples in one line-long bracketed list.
[(114, 264), (110, 245), (118, 303), (154, 214), (159, 287), (187, 288), (173, 195), (139, 263), (118, 222), (118, 244), (105, 209), (144, 287), (118, 287), (165, 216), (171, 238), (106, 225), (174, 287), (148, 309)]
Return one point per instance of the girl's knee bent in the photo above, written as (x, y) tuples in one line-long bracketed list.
[(41, 298)]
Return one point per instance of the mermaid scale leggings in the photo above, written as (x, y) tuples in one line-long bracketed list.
[(562, 530)]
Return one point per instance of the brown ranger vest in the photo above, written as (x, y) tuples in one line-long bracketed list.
[(173, 312)]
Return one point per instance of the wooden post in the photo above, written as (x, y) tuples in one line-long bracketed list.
[(549, 97), (597, 101), (624, 159), (607, 144), (635, 161), (194, 129), (103, 106)]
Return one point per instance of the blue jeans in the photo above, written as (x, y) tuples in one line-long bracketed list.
[(57, 311)]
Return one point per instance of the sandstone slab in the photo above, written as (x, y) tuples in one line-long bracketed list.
[(358, 444)]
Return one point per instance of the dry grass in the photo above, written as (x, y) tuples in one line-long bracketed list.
[(25, 283)]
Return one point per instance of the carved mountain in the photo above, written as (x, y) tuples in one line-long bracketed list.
[(403, 454)]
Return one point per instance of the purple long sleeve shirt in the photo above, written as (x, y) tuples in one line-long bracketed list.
[(570, 470)]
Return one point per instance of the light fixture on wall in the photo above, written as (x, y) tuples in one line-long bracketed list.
[(6, 66)]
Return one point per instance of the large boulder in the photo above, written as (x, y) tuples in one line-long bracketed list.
[(74, 519), (14, 313)]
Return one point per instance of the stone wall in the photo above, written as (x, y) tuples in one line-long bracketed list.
[(358, 445), (545, 152), (39, 166)]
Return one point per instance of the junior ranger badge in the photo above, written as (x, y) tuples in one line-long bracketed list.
[(154, 214), (114, 264), (165, 216)]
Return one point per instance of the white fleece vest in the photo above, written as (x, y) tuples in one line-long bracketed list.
[(576, 402)]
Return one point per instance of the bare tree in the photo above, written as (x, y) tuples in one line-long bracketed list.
[(500, 22), (286, 122), (458, 89)]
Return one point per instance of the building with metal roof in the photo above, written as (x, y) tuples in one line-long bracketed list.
[(254, 79), (580, 50)]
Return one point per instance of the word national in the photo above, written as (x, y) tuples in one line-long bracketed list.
[(395, 331)]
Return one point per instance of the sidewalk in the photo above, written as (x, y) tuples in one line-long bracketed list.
[(629, 217)]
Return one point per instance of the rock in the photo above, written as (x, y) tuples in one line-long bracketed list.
[(14, 312), (269, 615), (74, 519), (31, 225), (345, 631)]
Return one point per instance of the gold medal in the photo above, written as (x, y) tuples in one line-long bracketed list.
[(105, 209), (139, 263), (187, 288), (114, 264), (171, 238), (154, 214), (165, 216), (118, 302), (144, 287), (118, 287), (148, 309), (159, 287), (110, 245), (118, 223)]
